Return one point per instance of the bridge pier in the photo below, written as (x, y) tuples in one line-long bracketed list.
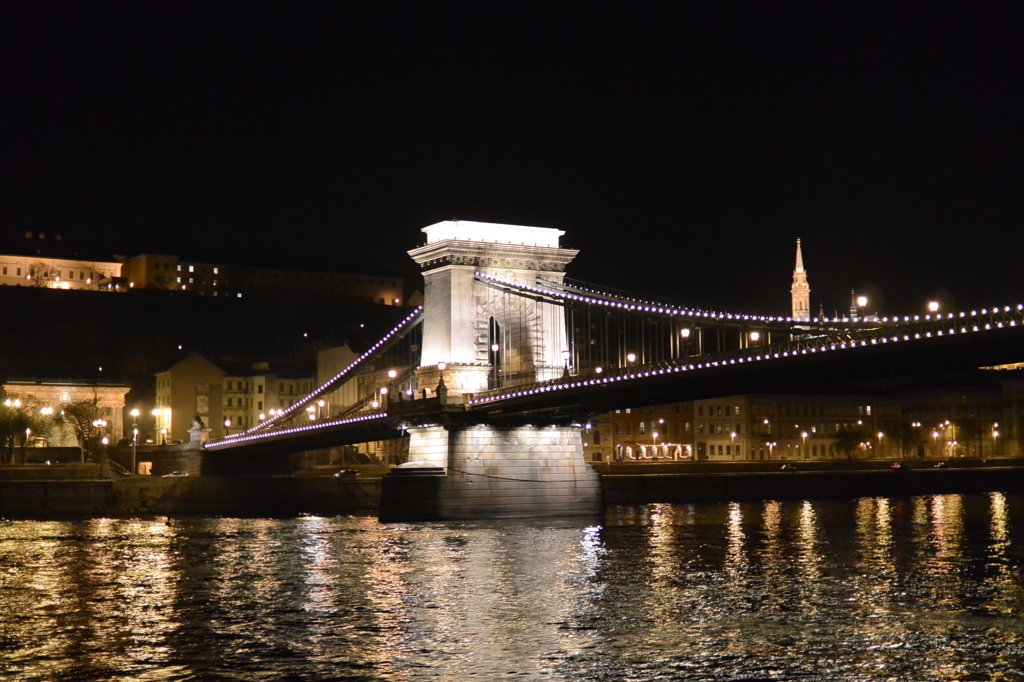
[(475, 472)]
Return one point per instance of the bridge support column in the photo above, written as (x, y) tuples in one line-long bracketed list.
[(479, 472)]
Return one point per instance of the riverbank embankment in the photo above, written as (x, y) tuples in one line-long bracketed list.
[(80, 491)]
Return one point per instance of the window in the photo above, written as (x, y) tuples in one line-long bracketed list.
[(700, 410), (179, 268), (868, 410), (191, 268), (19, 272), (736, 411), (5, 270), (229, 402), (643, 428), (179, 280), (259, 389), (597, 437), (259, 405), (71, 274)]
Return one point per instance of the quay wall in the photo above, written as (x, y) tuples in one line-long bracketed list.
[(27, 494), (216, 496)]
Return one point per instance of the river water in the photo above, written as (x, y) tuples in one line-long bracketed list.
[(916, 588)]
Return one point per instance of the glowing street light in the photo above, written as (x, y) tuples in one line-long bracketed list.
[(933, 306), (803, 435), (862, 301), (135, 435), (631, 357)]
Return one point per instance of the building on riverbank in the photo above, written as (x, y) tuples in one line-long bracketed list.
[(228, 395), (983, 417)]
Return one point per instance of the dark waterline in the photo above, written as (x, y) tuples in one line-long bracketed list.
[(916, 588)]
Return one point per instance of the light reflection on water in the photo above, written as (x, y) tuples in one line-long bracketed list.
[(868, 589)]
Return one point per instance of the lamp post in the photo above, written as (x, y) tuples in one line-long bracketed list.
[(135, 435), (99, 425), (803, 435), (771, 448), (156, 422), (880, 434), (732, 437)]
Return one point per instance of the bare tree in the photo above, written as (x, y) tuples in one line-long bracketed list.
[(80, 416), (20, 420), (41, 275)]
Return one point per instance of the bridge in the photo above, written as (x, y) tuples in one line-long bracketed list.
[(493, 375)]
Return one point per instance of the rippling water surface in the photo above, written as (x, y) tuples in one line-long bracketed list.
[(925, 588)]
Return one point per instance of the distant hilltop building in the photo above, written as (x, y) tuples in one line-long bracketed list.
[(209, 278), (801, 290), (48, 261)]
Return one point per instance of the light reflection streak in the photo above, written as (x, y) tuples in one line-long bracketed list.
[(1001, 581), (735, 556)]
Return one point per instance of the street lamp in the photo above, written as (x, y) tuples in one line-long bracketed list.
[(880, 434), (933, 306), (771, 447), (732, 436), (135, 435), (804, 436)]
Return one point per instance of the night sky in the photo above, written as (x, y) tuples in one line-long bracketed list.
[(682, 147)]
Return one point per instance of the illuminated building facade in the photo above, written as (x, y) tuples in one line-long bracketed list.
[(228, 396), (156, 271), (37, 394), (39, 261)]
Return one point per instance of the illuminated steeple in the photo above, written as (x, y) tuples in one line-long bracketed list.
[(800, 290)]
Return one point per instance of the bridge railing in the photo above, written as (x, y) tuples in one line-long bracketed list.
[(933, 327)]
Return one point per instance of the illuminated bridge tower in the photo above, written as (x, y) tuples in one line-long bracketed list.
[(477, 337), (800, 290)]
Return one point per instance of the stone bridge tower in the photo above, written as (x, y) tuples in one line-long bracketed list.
[(463, 319), (460, 471)]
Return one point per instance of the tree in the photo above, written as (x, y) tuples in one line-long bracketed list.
[(849, 440), (80, 416), (41, 275), (19, 422)]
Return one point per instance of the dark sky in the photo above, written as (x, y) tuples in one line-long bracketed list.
[(683, 147)]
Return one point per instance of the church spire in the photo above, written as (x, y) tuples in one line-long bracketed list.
[(801, 290)]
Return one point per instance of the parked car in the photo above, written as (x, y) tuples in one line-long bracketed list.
[(788, 467), (939, 465), (176, 474), (346, 473), (899, 466)]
